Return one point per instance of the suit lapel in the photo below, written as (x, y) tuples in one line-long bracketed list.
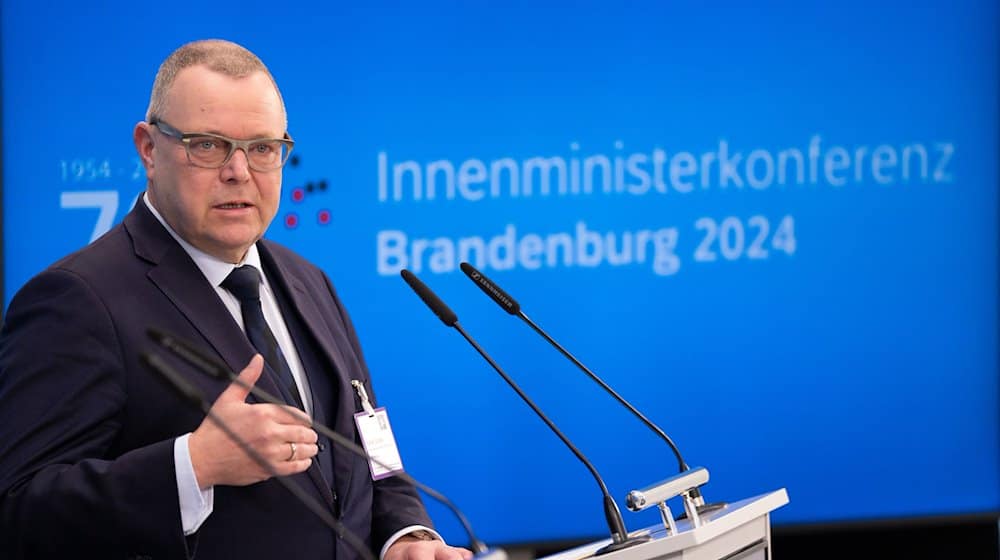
[(308, 309), (179, 279)]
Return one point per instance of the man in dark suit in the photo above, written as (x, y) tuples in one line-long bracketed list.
[(98, 457)]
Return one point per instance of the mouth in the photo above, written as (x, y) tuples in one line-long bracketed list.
[(237, 205)]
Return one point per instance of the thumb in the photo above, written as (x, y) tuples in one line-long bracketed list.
[(238, 391)]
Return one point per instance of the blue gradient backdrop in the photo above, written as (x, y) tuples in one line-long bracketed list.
[(858, 371)]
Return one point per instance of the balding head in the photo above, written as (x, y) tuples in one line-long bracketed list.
[(224, 57)]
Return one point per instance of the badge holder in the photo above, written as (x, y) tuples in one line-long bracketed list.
[(376, 436)]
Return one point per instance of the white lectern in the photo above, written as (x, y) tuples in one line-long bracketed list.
[(739, 531)]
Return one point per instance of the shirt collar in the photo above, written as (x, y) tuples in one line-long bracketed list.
[(214, 269)]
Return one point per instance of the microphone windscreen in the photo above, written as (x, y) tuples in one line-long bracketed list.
[(495, 292), (443, 312), (189, 353)]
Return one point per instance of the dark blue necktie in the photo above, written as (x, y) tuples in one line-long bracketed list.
[(244, 283)]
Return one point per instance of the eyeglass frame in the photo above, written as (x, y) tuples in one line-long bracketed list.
[(234, 144)]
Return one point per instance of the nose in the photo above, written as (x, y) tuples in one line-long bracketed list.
[(237, 169)]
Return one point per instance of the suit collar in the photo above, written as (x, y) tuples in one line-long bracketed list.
[(150, 240), (175, 274), (213, 268)]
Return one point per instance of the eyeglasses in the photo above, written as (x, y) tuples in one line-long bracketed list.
[(213, 151)]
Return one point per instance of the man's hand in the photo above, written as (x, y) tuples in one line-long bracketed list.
[(267, 428), (412, 548)]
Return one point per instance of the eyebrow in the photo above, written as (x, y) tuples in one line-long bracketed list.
[(218, 133)]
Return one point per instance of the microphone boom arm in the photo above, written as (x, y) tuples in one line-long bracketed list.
[(189, 353), (193, 394), (619, 535)]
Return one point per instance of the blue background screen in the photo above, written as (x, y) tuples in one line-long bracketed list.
[(772, 227)]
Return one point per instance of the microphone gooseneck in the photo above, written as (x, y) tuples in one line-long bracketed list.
[(213, 368), (194, 395), (616, 525), (512, 307)]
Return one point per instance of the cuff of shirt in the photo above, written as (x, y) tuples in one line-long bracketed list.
[(196, 504), (402, 533)]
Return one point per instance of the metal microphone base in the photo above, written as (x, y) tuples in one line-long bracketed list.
[(614, 547)]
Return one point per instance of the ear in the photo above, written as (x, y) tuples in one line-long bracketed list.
[(143, 138)]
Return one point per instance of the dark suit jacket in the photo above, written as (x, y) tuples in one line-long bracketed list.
[(87, 432)]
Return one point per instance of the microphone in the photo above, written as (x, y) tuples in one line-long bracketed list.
[(194, 395), (511, 306), (619, 535), (208, 365)]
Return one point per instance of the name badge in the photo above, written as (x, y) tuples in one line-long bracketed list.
[(376, 437)]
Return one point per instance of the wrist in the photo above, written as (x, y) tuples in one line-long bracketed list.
[(421, 535), (198, 463)]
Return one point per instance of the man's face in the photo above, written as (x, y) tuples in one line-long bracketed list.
[(220, 211)]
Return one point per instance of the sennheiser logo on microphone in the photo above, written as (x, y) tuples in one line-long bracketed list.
[(497, 294)]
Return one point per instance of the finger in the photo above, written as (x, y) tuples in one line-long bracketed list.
[(284, 414), (464, 553), (290, 414), (282, 452), (303, 451), (238, 392), (306, 450), (286, 468), (445, 552), (296, 433)]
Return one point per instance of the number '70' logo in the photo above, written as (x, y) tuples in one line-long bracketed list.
[(106, 202)]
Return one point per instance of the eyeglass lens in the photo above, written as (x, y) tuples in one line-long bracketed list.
[(213, 151)]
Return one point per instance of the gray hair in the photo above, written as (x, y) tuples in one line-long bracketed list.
[(224, 57)]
